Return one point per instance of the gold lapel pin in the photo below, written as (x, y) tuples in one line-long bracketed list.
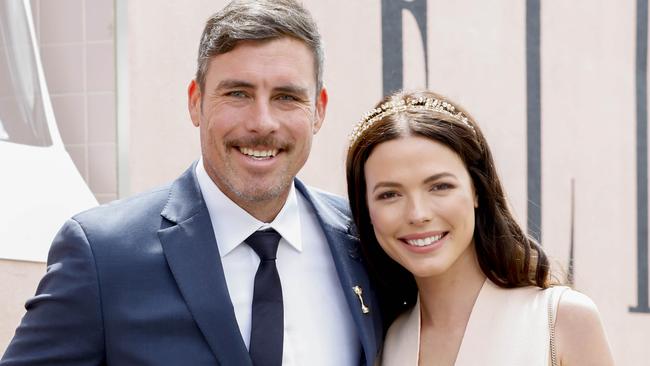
[(358, 291)]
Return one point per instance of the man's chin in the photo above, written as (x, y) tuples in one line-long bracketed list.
[(263, 193)]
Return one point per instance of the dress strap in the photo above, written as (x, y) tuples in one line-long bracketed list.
[(553, 301)]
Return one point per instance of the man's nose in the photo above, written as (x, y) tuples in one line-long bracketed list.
[(262, 119)]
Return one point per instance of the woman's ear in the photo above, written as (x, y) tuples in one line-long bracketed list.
[(475, 195)]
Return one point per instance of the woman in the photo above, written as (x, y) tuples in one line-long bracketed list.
[(462, 282)]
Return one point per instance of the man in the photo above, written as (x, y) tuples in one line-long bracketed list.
[(178, 276)]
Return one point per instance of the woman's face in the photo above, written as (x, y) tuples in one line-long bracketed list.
[(421, 202)]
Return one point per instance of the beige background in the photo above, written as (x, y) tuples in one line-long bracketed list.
[(476, 57), (76, 39)]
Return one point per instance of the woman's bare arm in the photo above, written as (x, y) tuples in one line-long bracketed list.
[(581, 338)]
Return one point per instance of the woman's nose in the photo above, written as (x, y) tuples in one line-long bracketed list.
[(419, 212)]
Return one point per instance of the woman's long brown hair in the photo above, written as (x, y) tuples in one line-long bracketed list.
[(506, 255)]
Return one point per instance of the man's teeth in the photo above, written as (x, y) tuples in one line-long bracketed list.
[(424, 241), (258, 153)]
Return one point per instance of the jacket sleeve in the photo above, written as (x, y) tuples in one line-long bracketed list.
[(63, 324)]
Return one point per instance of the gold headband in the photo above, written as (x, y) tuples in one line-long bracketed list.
[(411, 104)]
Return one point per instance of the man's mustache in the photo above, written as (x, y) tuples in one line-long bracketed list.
[(266, 141)]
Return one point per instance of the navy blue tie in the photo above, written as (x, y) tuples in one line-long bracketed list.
[(267, 325)]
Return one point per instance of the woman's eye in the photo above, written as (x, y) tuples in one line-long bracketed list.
[(441, 187), (386, 195)]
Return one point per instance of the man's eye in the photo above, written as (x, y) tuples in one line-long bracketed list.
[(236, 94), (287, 97)]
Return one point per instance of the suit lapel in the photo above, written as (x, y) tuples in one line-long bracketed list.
[(345, 253), (193, 256)]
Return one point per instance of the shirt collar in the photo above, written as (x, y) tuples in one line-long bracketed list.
[(232, 224)]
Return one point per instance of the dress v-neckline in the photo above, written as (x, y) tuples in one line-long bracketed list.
[(506, 327), (418, 315)]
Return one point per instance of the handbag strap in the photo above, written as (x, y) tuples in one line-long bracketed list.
[(553, 301)]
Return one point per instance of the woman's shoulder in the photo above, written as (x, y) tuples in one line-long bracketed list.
[(580, 333), (577, 313), (576, 306)]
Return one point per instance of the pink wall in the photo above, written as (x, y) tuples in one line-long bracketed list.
[(78, 53)]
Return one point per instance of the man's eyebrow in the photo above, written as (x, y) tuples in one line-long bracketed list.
[(233, 83), (292, 89)]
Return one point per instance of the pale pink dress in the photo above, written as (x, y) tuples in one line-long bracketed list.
[(507, 327)]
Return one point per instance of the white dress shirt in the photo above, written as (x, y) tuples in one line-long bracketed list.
[(318, 326)]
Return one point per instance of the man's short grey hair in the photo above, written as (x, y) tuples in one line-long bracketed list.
[(244, 20)]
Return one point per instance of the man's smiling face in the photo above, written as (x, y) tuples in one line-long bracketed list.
[(257, 114)]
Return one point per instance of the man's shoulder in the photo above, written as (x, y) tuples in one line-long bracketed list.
[(128, 210), (332, 209), (332, 200)]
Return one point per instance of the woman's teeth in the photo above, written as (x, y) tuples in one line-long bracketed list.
[(260, 154), (424, 241)]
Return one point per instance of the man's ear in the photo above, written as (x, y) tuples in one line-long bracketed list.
[(321, 108), (194, 102)]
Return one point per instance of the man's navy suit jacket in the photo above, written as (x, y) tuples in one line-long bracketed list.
[(140, 282)]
